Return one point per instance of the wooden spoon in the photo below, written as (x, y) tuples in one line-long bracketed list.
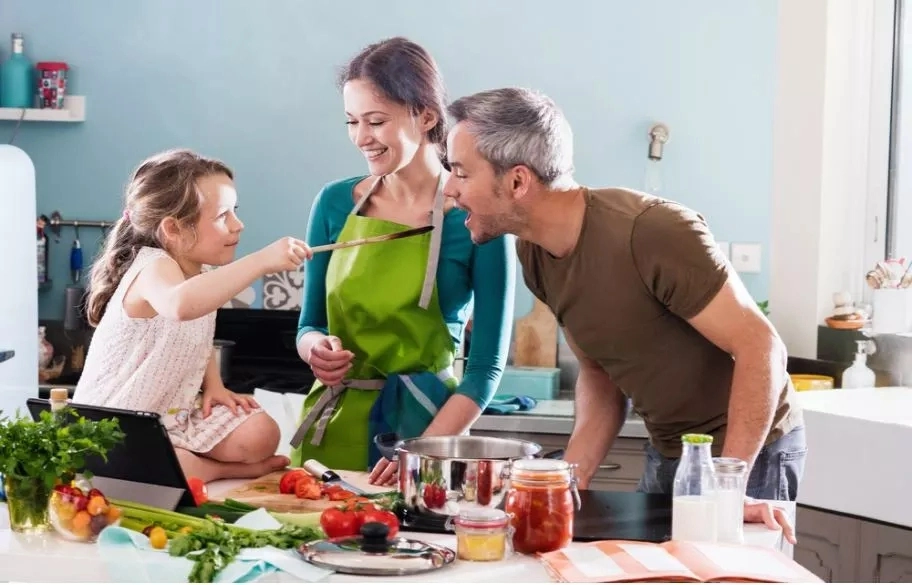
[(373, 240)]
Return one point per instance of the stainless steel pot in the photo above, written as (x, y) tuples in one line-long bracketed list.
[(440, 476), (222, 349)]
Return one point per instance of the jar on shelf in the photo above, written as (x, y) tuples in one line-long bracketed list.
[(542, 501)]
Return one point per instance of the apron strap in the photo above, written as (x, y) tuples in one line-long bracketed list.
[(367, 195), (322, 411), (430, 275)]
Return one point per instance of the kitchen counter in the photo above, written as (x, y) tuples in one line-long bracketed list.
[(49, 558), (553, 417), (853, 436)]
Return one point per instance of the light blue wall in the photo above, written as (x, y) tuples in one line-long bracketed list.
[(252, 82)]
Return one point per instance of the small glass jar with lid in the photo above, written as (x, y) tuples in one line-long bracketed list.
[(482, 534), (541, 501)]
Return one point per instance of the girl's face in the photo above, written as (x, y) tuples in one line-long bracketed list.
[(386, 133), (218, 229)]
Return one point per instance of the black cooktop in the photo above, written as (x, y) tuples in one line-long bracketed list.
[(602, 515)]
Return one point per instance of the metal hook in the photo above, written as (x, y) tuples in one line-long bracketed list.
[(76, 227)]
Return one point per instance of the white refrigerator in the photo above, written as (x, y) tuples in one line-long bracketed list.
[(18, 280)]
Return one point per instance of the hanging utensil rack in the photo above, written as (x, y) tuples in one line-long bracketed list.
[(56, 221)]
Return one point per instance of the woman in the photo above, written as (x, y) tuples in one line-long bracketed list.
[(381, 323)]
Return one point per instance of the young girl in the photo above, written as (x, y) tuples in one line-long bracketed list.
[(154, 309)]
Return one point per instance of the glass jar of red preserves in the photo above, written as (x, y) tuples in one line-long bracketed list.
[(541, 502)]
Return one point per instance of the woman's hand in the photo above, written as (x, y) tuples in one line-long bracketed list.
[(329, 361)]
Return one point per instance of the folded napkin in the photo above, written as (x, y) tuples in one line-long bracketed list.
[(507, 403), (130, 558)]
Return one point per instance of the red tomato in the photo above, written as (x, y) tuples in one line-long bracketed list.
[(199, 491), (290, 479), (307, 490), (383, 517), (337, 522)]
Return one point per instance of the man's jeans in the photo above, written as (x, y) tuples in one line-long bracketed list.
[(775, 475)]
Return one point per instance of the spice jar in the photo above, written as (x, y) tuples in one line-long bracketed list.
[(541, 502), (481, 534)]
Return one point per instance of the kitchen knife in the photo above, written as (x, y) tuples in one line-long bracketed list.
[(327, 475)]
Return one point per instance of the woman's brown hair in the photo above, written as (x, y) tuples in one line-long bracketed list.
[(406, 74), (162, 186)]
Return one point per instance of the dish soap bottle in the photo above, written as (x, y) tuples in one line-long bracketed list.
[(859, 375), (16, 83)]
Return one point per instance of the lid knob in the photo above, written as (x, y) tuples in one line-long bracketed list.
[(374, 537)]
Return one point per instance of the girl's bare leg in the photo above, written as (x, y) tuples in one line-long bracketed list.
[(248, 452)]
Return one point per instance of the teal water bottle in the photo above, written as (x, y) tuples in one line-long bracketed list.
[(16, 86)]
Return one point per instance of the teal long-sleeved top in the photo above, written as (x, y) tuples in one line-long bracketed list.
[(469, 276)]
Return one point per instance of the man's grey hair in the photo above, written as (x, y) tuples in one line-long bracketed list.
[(516, 126)]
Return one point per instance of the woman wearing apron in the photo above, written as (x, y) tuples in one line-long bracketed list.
[(381, 323)]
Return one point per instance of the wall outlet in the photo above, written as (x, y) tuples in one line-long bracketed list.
[(746, 258), (725, 247)]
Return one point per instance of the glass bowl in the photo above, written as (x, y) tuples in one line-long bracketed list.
[(81, 515)]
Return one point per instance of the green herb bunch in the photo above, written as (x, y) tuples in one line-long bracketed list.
[(55, 446)]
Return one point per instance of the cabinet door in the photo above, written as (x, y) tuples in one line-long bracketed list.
[(827, 544), (886, 554)]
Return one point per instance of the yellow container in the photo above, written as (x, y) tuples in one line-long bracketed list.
[(804, 382)]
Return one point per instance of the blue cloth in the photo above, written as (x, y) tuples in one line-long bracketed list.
[(477, 281), (129, 558), (406, 406), (506, 404)]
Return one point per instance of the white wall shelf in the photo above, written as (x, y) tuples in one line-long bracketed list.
[(74, 111)]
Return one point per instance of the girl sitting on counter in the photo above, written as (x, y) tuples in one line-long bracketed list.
[(154, 308)]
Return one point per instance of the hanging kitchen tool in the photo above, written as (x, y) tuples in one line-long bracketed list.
[(76, 256), (373, 553), (373, 240)]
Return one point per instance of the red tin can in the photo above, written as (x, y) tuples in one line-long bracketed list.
[(52, 82)]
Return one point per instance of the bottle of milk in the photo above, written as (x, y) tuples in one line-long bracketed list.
[(693, 511)]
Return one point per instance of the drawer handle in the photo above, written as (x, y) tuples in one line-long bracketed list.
[(609, 467)]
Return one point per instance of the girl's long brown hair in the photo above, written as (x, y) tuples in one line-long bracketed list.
[(162, 186)]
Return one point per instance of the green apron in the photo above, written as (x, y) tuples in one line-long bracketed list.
[(381, 302)]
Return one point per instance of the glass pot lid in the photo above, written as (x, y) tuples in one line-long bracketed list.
[(374, 553)]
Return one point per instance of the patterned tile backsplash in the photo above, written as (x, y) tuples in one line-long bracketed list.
[(283, 290), (280, 291)]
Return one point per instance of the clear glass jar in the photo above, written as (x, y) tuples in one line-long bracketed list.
[(482, 534), (730, 484), (541, 501), (693, 508)]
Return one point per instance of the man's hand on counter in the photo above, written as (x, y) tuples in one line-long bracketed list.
[(766, 513)]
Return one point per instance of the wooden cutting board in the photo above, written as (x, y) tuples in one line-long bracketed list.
[(264, 493), (535, 338)]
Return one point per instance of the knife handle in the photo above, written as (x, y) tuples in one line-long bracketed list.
[(320, 471)]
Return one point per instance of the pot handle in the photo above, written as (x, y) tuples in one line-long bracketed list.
[(556, 454), (388, 445)]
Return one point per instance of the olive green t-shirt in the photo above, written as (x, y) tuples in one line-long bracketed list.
[(643, 266)]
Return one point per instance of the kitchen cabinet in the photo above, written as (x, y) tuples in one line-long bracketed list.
[(845, 549), (620, 471), (885, 555), (827, 544)]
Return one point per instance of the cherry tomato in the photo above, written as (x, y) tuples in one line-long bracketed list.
[(199, 491), (337, 522), (383, 517)]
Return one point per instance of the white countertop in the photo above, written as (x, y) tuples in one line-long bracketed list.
[(49, 558)]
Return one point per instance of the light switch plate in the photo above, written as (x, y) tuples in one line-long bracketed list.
[(726, 249), (746, 257)]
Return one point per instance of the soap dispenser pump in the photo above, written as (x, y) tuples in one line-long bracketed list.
[(859, 375)]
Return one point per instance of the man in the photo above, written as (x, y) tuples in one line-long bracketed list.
[(645, 298)]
